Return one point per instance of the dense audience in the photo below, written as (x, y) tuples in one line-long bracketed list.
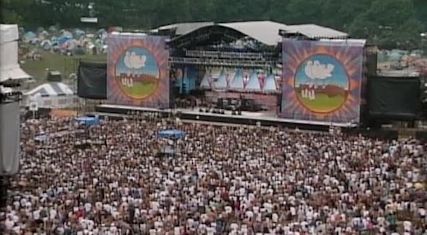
[(112, 179)]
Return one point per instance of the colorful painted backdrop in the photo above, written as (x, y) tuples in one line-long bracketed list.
[(138, 72), (322, 80)]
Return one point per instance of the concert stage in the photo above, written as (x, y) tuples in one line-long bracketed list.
[(246, 118)]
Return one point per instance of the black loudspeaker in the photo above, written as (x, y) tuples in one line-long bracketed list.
[(4, 185), (421, 135), (394, 98), (9, 138), (220, 103), (371, 60), (92, 80)]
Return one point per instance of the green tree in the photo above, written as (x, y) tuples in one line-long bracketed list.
[(340, 14), (278, 10), (421, 12), (302, 12), (389, 23)]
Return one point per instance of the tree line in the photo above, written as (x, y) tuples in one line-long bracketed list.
[(388, 23)]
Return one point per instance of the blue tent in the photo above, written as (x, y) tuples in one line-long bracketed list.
[(29, 35), (172, 134), (78, 33), (63, 39), (88, 121)]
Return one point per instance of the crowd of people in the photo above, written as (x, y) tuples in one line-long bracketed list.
[(113, 179)]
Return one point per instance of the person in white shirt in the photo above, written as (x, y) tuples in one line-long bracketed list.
[(407, 225)]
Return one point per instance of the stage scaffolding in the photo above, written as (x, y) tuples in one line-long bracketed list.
[(222, 58), (222, 62)]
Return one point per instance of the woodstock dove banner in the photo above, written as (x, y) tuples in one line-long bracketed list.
[(322, 80), (137, 70)]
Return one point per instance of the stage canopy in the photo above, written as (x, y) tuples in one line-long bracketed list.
[(172, 134), (205, 84), (221, 82), (238, 84), (270, 85), (51, 95), (253, 84), (263, 32)]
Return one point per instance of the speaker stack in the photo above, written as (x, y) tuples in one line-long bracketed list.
[(9, 145), (220, 103), (9, 138)]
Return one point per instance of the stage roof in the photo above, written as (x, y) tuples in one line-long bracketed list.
[(183, 28), (265, 32), (314, 31)]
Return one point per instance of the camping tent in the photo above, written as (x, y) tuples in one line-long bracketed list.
[(63, 39), (52, 29), (66, 33), (43, 35), (51, 95), (70, 44), (29, 36), (78, 33), (9, 67), (46, 44)]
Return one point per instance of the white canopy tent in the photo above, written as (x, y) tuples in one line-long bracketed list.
[(237, 84), (253, 84), (221, 83), (270, 85), (206, 84), (9, 67), (51, 95)]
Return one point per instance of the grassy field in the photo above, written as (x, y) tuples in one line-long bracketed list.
[(52, 61), (322, 103), (140, 89)]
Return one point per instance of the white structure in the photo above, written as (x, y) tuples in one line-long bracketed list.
[(237, 84), (206, 83), (9, 67), (253, 83), (51, 95), (266, 32), (221, 83), (270, 85)]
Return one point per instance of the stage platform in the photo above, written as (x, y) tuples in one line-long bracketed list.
[(246, 118)]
